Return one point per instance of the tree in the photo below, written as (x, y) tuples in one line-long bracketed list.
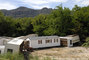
[(23, 26), (39, 24), (80, 21)]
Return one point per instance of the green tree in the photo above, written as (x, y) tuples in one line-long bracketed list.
[(23, 26), (39, 24)]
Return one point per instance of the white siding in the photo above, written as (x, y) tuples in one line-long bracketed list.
[(34, 43), (15, 48), (69, 45), (2, 48), (1, 42)]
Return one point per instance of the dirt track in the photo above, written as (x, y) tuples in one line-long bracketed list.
[(65, 52)]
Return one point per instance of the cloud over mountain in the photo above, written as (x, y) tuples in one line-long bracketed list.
[(38, 4)]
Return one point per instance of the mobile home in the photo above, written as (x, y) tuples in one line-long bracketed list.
[(43, 41), (69, 40), (13, 45)]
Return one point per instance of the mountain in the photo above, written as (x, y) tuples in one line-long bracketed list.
[(26, 12)]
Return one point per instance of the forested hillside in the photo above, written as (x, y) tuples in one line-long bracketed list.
[(26, 12), (61, 21)]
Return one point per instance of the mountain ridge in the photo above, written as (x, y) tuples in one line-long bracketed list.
[(26, 12)]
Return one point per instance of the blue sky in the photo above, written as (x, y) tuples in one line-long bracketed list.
[(39, 4)]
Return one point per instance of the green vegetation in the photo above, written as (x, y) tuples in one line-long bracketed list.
[(16, 56), (61, 22), (10, 56), (86, 44)]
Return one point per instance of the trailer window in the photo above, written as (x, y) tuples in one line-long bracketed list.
[(10, 50), (55, 40), (39, 41), (70, 42), (48, 41)]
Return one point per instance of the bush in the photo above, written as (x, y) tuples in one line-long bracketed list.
[(10, 56), (86, 44), (16, 56)]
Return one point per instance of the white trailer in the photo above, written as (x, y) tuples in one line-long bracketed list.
[(69, 40), (13, 46), (44, 41)]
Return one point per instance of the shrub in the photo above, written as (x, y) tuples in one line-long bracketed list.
[(10, 56), (86, 44)]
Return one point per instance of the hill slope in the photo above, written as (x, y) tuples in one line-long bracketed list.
[(25, 12)]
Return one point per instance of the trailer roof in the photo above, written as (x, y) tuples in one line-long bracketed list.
[(42, 37), (66, 37), (70, 36), (27, 36), (15, 41)]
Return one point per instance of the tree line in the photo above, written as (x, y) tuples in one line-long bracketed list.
[(61, 22)]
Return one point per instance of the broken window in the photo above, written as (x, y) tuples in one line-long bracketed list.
[(39, 41), (10, 50)]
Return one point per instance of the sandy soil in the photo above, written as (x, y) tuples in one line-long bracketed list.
[(63, 52)]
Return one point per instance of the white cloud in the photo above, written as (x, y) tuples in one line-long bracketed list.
[(82, 2), (38, 4), (7, 6), (42, 1), (40, 7), (34, 1), (85, 2), (57, 1), (78, 1)]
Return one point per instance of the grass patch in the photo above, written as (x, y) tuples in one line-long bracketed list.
[(16, 56)]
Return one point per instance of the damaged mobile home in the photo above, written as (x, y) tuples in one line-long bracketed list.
[(43, 41), (15, 44), (69, 40), (50, 41)]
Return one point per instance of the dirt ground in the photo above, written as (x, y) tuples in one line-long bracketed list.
[(63, 52)]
